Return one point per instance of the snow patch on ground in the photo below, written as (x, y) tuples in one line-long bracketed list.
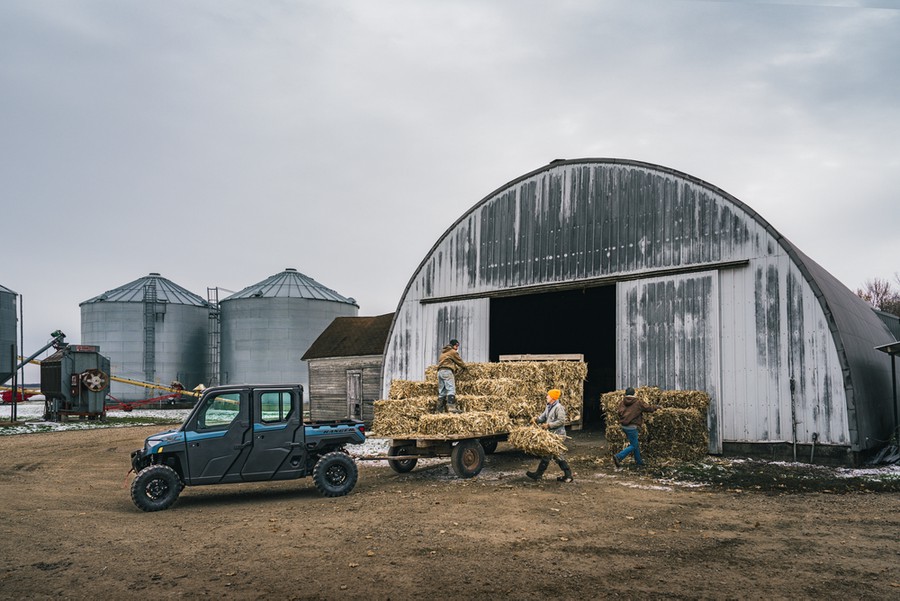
[(30, 419)]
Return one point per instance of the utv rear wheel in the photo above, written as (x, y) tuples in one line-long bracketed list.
[(156, 487), (335, 474)]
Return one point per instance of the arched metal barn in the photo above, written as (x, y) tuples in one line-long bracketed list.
[(659, 279)]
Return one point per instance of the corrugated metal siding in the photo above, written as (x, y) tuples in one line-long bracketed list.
[(773, 330), (263, 338), (668, 336), (603, 220), (427, 329)]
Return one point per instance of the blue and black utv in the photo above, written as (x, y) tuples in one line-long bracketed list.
[(245, 434)]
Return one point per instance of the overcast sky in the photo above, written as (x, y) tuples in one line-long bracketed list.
[(218, 142)]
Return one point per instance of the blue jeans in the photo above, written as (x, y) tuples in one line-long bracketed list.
[(446, 383), (632, 433)]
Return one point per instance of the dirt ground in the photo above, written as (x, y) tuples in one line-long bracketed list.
[(70, 530)]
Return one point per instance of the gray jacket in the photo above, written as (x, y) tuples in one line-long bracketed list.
[(555, 416)]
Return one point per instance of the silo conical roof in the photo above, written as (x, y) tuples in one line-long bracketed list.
[(166, 291), (290, 283)]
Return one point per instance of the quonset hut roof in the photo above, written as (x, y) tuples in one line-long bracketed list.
[(290, 283), (166, 291)]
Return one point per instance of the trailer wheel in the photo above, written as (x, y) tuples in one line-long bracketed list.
[(467, 458), (156, 487), (401, 466), (335, 474), (489, 445)]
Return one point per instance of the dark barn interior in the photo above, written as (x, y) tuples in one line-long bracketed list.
[(572, 321)]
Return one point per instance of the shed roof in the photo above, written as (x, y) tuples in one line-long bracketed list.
[(290, 283), (351, 337), (167, 291)]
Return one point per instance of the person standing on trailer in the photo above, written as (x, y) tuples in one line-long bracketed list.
[(449, 364), (553, 419)]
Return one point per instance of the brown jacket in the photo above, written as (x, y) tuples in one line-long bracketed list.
[(451, 360), (632, 409)]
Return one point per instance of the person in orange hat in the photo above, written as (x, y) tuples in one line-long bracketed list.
[(553, 419)]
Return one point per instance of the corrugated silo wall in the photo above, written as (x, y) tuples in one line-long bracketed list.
[(8, 346), (179, 338), (740, 327), (264, 338), (182, 339), (118, 329)]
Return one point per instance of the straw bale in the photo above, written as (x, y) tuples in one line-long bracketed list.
[(399, 417), (678, 430), (406, 389), (472, 423), (548, 374), (536, 441), (397, 427), (684, 399)]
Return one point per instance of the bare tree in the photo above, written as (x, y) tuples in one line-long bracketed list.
[(880, 294)]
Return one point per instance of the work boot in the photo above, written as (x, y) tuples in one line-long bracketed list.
[(567, 472), (536, 474), (441, 405), (451, 404)]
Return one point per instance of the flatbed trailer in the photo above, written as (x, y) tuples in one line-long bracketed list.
[(466, 451)]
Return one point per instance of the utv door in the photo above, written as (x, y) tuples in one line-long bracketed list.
[(218, 438), (277, 451)]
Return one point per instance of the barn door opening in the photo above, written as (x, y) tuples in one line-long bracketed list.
[(572, 321)]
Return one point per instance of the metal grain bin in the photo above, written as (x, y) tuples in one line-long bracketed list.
[(152, 330), (7, 333), (267, 327)]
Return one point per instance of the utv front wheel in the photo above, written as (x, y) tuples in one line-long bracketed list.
[(335, 474), (156, 487)]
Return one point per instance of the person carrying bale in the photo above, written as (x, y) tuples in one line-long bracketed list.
[(553, 419), (631, 417), (448, 364)]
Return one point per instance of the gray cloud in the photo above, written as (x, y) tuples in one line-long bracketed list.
[(218, 142)]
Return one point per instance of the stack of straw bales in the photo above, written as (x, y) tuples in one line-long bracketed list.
[(517, 390), (678, 430)]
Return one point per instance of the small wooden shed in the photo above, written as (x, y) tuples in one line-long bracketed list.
[(345, 364)]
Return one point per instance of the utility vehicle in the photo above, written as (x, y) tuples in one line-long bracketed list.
[(245, 434)]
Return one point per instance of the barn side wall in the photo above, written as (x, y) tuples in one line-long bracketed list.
[(328, 386)]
